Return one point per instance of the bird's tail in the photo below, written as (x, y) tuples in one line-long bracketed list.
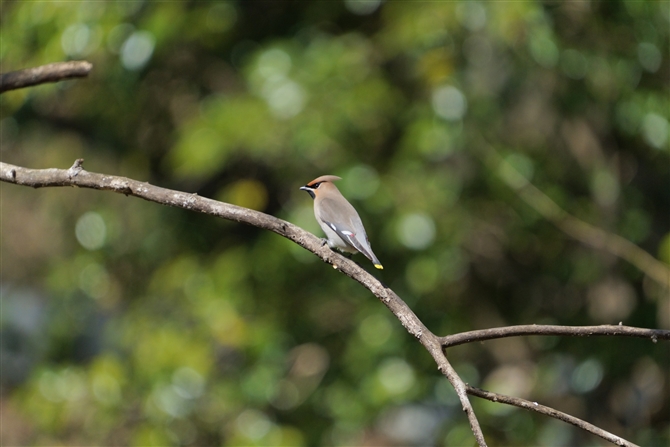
[(375, 261)]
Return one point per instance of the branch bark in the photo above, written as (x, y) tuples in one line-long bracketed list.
[(77, 176), (548, 411), (436, 346), (540, 329), (58, 71)]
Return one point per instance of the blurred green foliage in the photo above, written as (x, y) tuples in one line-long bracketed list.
[(127, 323)]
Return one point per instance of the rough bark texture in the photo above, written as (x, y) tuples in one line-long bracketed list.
[(77, 176), (55, 72)]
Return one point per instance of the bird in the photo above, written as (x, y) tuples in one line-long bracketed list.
[(338, 218)]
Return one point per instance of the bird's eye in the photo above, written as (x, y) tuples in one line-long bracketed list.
[(316, 185)]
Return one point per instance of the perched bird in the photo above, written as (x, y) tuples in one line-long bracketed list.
[(338, 218)]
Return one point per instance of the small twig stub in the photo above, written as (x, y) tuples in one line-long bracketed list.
[(76, 168)]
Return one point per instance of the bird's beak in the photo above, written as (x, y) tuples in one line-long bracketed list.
[(309, 190)]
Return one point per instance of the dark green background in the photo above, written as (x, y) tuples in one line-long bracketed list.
[(129, 323)]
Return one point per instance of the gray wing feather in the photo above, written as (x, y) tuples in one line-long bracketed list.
[(350, 230)]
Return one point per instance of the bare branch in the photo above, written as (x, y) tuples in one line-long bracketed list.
[(548, 411), (77, 176), (540, 329), (55, 72), (572, 226), (432, 344)]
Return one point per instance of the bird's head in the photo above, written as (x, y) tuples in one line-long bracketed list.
[(320, 184)]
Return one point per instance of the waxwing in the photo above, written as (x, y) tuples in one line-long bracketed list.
[(338, 218)]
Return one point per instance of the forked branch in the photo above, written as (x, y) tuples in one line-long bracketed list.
[(77, 176), (548, 411)]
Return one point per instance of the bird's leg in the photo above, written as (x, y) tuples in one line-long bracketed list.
[(324, 241)]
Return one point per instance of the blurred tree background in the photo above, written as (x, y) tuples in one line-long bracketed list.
[(129, 323)]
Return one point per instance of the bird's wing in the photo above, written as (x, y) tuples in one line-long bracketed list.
[(350, 230)]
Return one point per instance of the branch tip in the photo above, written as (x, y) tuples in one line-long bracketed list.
[(58, 71), (76, 168)]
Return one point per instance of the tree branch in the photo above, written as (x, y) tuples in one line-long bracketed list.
[(432, 344), (77, 176), (596, 237), (58, 71), (540, 329), (548, 411)]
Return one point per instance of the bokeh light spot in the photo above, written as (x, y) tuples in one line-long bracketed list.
[(253, 424), (65, 385), (221, 17), (137, 50), (543, 49), (106, 389), (587, 376), (375, 330), (94, 280), (248, 193), (449, 103), (360, 182), (285, 98), (76, 39), (517, 169), (416, 231), (422, 274), (274, 62), (472, 15), (611, 300), (170, 402), (396, 376), (605, 187), (91, 231), (655, 130), (362, 7), (188, 383), (287, 395), (650, 56)]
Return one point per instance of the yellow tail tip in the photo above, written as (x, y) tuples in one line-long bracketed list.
[(379, 266)]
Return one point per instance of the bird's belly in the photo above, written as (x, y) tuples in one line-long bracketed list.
[(341, 245)]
